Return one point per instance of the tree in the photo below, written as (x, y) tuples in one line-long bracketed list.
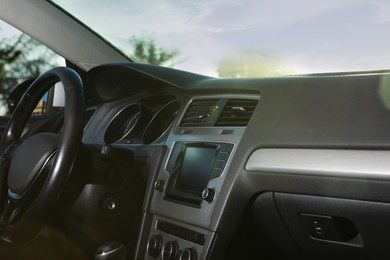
[(146, 51), (21, 58)]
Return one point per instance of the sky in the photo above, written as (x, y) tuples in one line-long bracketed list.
[(11, 33), (305, 35)]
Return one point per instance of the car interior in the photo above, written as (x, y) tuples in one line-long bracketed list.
[(149, 162)]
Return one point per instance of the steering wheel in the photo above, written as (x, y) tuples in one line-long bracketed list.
[(34, 171)]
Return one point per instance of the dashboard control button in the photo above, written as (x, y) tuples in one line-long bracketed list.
[(215, 173), (226, 148), (154, 246), (220, 164), (223, 156), (208, 194), (170, 250), (189, 254)]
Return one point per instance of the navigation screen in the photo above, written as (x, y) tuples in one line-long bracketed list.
[(195, 169)]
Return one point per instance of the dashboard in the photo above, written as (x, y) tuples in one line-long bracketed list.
[(275, 167), (175, 165)]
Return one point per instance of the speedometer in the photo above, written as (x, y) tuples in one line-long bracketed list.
[(127, 123)]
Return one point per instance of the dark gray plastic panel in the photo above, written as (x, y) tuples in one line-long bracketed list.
[(370, 218)]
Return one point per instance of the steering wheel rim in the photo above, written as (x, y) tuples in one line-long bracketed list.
[(25, 204)]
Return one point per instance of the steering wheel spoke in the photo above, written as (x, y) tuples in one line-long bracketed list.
[(9, 212), (13, 205)]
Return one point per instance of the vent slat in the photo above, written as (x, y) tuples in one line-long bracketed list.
[(198, 112), (237, 112), (232, 114)]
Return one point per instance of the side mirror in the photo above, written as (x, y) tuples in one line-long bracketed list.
[(15, 96), (52, 101)]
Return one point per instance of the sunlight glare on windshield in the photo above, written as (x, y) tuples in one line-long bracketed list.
[(245, 38)]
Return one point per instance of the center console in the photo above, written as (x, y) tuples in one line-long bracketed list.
[(184, 198), (182, 202)]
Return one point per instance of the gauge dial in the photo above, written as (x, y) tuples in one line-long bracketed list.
[(161, 122), (127, 123)]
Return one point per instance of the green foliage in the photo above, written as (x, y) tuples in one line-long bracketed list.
[(21, 58), (146, 51)]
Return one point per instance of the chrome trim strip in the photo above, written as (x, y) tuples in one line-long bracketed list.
[(322, 162)]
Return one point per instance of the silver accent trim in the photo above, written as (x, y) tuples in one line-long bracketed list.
[(371, 164), (198, 217)]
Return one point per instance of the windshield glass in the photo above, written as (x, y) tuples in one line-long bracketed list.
[(245, 38)]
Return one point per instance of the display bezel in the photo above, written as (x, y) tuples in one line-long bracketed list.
[(187, 196)]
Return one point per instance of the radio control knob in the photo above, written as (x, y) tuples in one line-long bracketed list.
[(189, 254), (170, 250), (154, 245), (208, 194)]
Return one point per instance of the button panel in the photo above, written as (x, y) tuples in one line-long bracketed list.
[(181, 232), (174, 241)]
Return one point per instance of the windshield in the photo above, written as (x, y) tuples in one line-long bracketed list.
[(245, 38)]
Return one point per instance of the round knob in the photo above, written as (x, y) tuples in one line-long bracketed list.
[(189, 254), (170, 250), (154, 245), (208, 194), (159, 185)]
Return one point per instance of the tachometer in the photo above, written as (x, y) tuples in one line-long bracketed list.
[(161, 122)]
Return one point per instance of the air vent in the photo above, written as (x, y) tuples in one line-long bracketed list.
[(88, 115), (237, 112), (201, 112)]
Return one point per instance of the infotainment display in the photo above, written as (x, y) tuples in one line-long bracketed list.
[(196, 167), (191, 167), (192, 170)]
